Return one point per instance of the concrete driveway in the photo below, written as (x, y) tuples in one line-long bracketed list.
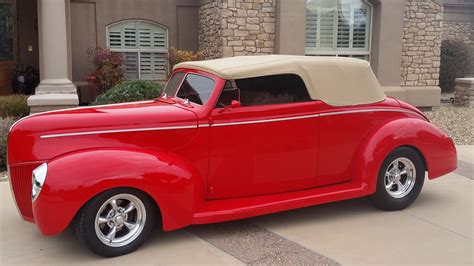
[(436, 229)]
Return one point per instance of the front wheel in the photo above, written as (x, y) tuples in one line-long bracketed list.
[(400, 179), (116, 222)]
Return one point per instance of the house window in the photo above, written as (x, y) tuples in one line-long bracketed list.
[(338, 28), (144, 46), (7, 51)]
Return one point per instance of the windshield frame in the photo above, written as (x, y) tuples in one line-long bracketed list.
[(186, 73)]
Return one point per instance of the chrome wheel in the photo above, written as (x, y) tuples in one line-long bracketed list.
[(400, 177), (120, 220)]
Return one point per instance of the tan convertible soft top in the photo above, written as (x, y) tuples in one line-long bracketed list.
[(337, 81)]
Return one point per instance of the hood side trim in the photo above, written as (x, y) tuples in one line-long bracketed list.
[(115, 131)]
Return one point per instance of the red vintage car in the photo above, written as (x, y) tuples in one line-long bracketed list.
[(228, 139)]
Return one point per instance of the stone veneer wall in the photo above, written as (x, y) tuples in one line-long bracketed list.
[(237, 27), (209, 30), (421, 44)]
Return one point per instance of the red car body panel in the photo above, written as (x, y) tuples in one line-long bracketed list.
[(202, 164)]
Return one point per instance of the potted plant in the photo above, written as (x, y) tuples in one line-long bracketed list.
[(25, 79)]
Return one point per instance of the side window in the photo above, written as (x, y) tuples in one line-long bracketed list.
[(274, 89), (196, 88), (229, 93)]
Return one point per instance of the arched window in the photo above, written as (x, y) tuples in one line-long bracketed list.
[(144, 46), (338, 27)]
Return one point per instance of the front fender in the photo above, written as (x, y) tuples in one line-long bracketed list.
[(435, 147), (73, 179)]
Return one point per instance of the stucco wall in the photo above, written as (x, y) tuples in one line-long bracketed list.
[(421, 44), (237, 27), (89, 19)]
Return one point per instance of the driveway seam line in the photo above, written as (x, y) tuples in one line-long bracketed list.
[(437, 225)]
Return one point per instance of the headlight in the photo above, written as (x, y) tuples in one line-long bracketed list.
[(38, 178)]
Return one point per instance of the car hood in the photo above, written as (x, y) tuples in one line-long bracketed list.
[(29, 132), (107, 117)]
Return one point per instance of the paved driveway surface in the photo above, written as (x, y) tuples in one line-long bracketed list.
[(436, 229)]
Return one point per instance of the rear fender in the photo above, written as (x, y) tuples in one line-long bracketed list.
[(73, 179), (436, 148)]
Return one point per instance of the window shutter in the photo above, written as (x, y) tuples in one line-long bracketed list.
[(145, 65), (159, 65), (311, 28), (130, 37), (144, 37), (143, 46), (115, 39), (159, 39), (130, 65), (343, 26), (338, 27), (359, 32), (327, 27), (152, 66)]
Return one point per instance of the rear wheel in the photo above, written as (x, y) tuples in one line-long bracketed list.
[(400, 179), (116, 222)]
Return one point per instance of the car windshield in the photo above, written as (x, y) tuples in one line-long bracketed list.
[(196, 88)]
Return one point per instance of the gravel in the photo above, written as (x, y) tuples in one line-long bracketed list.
[(3, 176), (458, 122)]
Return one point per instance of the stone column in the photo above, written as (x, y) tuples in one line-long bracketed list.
[(464, 92), (236, 27), (56, 90)]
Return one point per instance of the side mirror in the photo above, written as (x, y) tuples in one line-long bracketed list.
[(235, 104)]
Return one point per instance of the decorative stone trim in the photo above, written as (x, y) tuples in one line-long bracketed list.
[(464, 92), (421, 44), (237, 27)]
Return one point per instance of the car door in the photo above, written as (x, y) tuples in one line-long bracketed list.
[(267, 145)]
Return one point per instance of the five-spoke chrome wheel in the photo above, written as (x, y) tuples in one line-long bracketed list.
[(400, 177), (120, 220)]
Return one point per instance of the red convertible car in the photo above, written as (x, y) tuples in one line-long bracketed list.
[(228, 139)]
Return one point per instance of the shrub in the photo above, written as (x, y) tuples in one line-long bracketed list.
[(455, 63), (134, 90), (177, 56), (5, 124), (13, 105), (108, 70)]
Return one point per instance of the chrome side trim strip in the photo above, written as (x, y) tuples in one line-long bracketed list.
[(231, 123), (314, 115), (369, 110), (265, 120), (115, 131)]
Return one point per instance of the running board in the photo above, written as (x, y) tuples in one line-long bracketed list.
[(237, 208)]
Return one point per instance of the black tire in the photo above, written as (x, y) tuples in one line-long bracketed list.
[(85, 224), (391, 201)]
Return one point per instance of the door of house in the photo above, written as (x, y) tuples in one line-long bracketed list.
[(8, 44)]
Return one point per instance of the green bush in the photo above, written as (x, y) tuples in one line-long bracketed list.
[(5, 124), (455, 63), (13, 105), (129, 91)]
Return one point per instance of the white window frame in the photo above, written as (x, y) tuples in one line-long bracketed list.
[(141, 50), (334, 51)]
